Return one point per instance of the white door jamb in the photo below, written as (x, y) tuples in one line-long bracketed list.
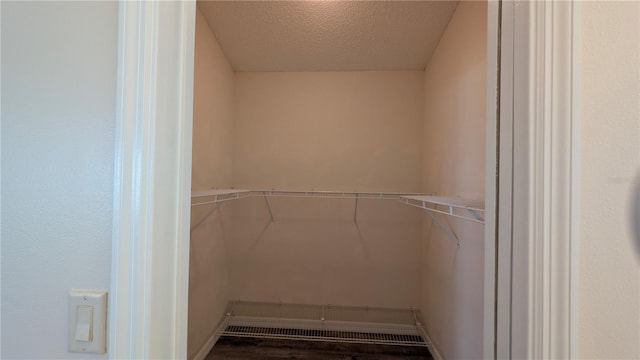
[(536, 298), (150, 253)]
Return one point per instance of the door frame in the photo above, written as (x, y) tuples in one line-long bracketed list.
[(148, 303), (534, 306), (531, 225)]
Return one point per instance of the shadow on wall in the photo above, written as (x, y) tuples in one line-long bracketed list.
[(326, 251), (635, 213)]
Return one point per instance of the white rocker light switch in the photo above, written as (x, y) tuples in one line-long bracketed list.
[(87, 321), (84, 323)]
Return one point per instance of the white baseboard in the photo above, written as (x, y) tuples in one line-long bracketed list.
[(430, 345), (206, 348), (434, 352)]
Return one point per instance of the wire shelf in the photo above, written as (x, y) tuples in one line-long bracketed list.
[(220, 195), (472, 207), (326, 323), (472, 210), (332, 194), (217, 196)]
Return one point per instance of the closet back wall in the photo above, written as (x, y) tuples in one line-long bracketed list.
[(350, 130), (315, 253)]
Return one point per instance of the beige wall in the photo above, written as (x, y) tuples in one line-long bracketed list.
[(212, 147), (328, 130), (208, 274), (59, 74), (212, 112), (314, 252), (453, 165), (609, 250), (351, 131)]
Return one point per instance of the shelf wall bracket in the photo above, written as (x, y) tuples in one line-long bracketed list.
[(194, 226), (266, 201), (355, 211), (476, 215), (444, 227)]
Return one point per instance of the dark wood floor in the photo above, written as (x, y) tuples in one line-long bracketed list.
[(232, 348)]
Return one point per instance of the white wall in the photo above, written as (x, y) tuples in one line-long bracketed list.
[(453, 165), (58, 125), (213, 112), (349, 131), (328, 130), (609, 249), (212, 147), (314, 252)]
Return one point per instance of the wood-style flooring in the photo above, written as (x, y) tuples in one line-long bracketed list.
[(233, 348)]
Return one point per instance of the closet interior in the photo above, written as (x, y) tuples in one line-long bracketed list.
[(338, 173)]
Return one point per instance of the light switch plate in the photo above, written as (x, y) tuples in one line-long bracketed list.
[(96, 301)]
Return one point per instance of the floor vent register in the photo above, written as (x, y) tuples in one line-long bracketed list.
[(359, 325)]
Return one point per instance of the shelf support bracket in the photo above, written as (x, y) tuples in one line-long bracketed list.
[(444, 227), (194, 226), (355, 211), (415, 318), (476, 215), (266, 201)]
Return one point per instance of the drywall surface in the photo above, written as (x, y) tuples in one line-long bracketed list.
[(453, 165), (211, 168), (347, 131), (208, 274), (326, 251), (351, 131), (58, 125), (212, 112), (609, 248)]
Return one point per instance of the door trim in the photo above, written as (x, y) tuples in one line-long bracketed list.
[(538, 184), (491, 177), (532, 314), (150, 251)]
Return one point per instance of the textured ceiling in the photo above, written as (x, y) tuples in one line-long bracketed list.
[(327, 35)]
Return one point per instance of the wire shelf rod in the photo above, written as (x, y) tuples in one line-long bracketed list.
[(218, 196), (223, 195), (427, 209), (218, 200), (217, 192), (472, 207), (451, 202), (320, 192), (421, 203), (194, 226)]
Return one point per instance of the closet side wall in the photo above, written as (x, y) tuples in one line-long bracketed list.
[(212, 148), (454, 165), (212, 112)]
